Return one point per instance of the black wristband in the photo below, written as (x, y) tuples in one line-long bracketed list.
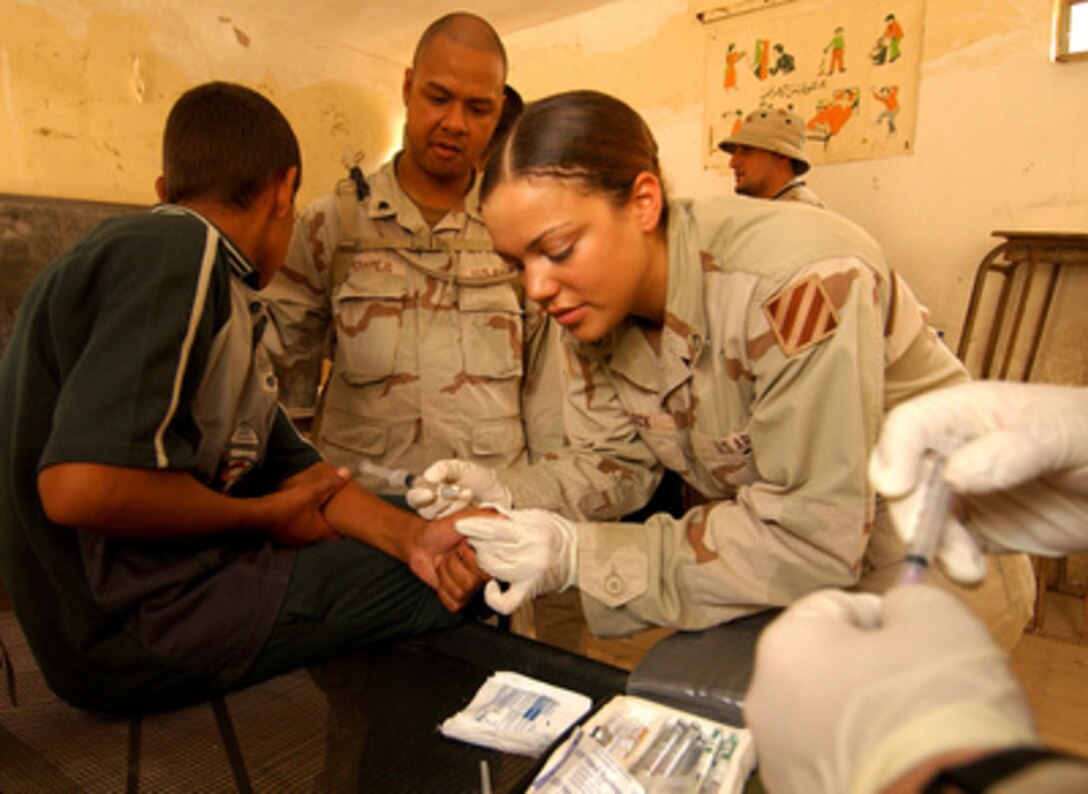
[(976, 777)]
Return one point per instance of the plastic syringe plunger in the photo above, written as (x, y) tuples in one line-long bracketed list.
[(402, 478), (929, 526)]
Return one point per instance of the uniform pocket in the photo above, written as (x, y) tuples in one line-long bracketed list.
[(497, 437), (346, 437), (491, 326), (369, 309), (614, 577)]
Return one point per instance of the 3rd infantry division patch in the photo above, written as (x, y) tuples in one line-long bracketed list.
[(801, 315)]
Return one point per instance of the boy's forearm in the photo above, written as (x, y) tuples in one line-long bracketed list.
[(357, 513), (153, 503), (140, 503)]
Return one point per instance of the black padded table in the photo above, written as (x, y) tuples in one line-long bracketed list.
[(385, 706)]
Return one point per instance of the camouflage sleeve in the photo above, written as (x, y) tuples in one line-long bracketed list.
[(542, 384), (298, 303), (804, 523), (918, 360), (605, 470)]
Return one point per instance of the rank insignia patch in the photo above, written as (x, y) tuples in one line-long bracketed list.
[(801, 315)]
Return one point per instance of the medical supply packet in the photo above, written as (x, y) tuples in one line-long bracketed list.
[(636, 746), (516, 714)]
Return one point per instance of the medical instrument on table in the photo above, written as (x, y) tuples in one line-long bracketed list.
[(932, 514), (719, 766), (621, 735), (680, 750), (679, 746), (485, 778), (402, 478), (636, 746), (657, 749), (709, 755), (686, 754)]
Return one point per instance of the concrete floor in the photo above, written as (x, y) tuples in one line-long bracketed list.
[(1053, 669)]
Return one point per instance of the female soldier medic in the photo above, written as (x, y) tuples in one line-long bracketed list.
[(752, 348)]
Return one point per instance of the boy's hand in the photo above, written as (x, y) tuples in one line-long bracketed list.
[(459, 577), (437, 540), (295, 510)]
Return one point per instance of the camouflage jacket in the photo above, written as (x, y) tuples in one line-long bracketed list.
[(786, 339), (434, 351)]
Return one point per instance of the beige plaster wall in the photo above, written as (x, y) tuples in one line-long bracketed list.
[(999, 141), (85, 88)]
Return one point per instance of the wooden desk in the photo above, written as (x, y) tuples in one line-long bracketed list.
[(1025, 262)]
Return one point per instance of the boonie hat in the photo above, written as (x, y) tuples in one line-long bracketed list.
[(774, 129)]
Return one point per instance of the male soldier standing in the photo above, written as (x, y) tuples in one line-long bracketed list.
[(435, 353), (767, 155)]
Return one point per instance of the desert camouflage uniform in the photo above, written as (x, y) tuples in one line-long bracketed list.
[(786, 339), (435, 352)]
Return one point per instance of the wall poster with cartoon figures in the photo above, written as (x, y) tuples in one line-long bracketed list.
[(848, 68)]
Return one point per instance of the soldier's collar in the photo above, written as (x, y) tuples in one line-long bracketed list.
[(797, 181), (685, 311), (385, 192), (629, 353), (387, 195)]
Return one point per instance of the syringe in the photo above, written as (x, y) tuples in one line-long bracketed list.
[(930, 523), (402, 478)]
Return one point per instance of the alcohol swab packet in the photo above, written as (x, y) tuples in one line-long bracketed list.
[(516, 714)]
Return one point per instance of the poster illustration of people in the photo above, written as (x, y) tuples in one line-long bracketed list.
[(849, 68)]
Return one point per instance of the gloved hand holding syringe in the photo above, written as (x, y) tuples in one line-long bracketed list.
[(402, 478), (479, 486), (1017, 466), (894, 681)]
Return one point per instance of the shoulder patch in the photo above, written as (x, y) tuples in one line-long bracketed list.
[(801, 315), (707, 261)]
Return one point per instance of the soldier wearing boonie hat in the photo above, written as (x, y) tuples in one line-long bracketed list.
[(768, 156)]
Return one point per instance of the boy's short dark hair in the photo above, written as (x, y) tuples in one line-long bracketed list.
[(225, 142)]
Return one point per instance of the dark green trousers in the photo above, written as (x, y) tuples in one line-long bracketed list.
[(342, 596)]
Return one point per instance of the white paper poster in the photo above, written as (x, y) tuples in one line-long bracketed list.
[(849, 68)]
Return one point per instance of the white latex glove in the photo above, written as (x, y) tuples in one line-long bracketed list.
[(534, 551), (1016, 453), (475, 485), (851, 691)]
